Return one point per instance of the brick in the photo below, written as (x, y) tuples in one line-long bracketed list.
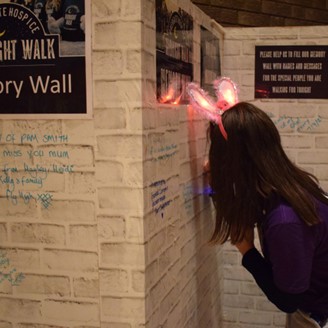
[(45, 285), (109, 173), (83, 287), (279, 319), (135, 230), (295, 111), (126, 146), (83, 236), (133, 61), (110, 118), (22, 259), (104, 9), (66, 260), (234, 62), (239, 301), (138, 281), (6, 288), (79, 156), (131, 8), (4, 324), (121, 199), (174, 319), (321, 142), (231, 286), (35, 325), (169, 301), (231, 257), (251, 289), (11, 161), (107, 94), (84, 326), (230, 315), (70, 311), (262, 304), (122, 33), (79, 134), (108, 62), (38, 233), (115, 325), (188, 270), (233, 48), (158, 292), (321, 172), (297, 141), (49, 182), (82, 183), (152, 273), (142, 119), (122, 254), (263, 319), (113, 281), (155, 244), (3, 232), (133, 308), (111, 228), (70, 211), (19, 308), (17, 210), (168, 257), (312, 157)]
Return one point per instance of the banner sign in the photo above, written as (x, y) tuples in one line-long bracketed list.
[(174, 52), (291, 72), (210, 60), (43, 63)]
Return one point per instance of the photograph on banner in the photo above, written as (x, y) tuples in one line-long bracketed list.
[(45, 59)]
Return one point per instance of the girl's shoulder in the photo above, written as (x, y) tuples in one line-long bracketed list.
[(282, 213)]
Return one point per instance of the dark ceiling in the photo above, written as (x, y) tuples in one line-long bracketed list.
[(259, 13)]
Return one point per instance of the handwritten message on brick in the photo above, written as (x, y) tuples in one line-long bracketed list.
[(9, 273), (27, 160), (159, 199)]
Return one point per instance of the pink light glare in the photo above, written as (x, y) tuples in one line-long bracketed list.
[(226, 91), (227, 96), (173, 96)]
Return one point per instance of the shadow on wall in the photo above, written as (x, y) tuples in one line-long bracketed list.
[(204, 307)]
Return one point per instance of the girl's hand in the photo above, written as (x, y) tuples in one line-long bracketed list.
[(247, 243)]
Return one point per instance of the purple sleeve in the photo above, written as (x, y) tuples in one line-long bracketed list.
[(290, 250)]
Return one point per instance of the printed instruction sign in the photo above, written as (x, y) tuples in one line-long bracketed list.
[(291, 72), (45, 59)]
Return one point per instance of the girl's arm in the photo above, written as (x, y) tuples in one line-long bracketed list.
[(261, 270)]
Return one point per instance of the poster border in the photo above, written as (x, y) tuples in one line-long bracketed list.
[(88, 82)]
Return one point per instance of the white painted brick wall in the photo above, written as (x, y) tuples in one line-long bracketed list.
[(244, 304), (103, 255)]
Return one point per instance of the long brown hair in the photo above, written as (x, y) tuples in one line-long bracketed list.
[(251, 167)]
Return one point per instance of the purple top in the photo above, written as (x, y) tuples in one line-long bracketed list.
[(298, 255)]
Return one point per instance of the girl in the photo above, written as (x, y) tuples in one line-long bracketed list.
[(255, 184)]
